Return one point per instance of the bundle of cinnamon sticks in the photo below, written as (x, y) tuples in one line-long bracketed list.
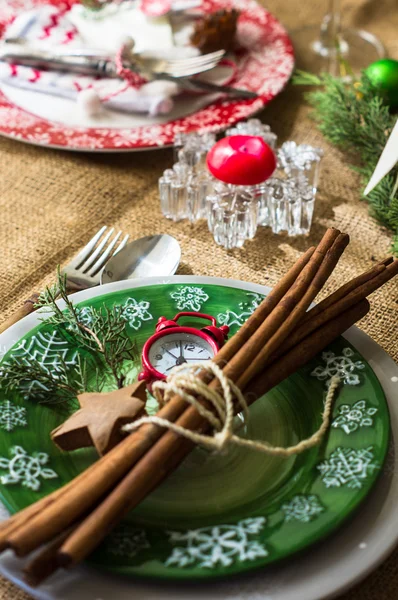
[(280, 337)]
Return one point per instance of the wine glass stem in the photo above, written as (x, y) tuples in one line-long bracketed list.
[(331, 28), (331, 48), (330, 44)]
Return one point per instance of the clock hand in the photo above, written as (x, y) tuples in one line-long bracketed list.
[(168, 351), (181, 359)]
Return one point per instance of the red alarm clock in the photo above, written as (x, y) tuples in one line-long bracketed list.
[(174, 345)]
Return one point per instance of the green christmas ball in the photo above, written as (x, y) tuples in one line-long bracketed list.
[(384, 73)]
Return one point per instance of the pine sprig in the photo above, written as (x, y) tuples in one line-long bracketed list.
[(44, 385), (355, 119), (101, 333), (104, 334), (55, 385)]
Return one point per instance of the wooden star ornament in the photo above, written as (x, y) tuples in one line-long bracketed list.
[(99, 420)]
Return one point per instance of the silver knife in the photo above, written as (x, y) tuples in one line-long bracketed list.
[(192, 84)]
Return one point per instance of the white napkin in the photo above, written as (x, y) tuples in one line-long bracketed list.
[(107, 28), (51, 26)]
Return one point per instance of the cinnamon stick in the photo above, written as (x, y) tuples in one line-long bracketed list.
[(171, 449), (309, 347), (87, 484), (329, 262), (349, 287), (264, 309), (26, 514), (45, 562), (37, 527), (316, 317), (27, 307), (250, 351), (309, 325), (327, 315)]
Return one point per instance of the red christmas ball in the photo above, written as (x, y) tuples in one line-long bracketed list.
[(241, 160)]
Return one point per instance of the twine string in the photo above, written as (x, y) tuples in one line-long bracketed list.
[(185, 383), (133, 79), (136, 81)]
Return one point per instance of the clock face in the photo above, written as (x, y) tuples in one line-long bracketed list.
[(177, 349)]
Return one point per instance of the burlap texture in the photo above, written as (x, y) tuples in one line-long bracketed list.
[(52, 202)]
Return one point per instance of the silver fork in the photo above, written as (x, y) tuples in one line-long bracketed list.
[(85, 269), (176, 67), (96, 63)]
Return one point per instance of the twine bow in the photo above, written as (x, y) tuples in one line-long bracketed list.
[(184, 382)]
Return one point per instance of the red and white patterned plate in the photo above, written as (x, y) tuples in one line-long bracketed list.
[(265, 67)]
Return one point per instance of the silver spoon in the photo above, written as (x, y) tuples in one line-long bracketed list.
[(151, 256)]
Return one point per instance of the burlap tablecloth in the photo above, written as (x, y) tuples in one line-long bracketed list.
[(52, 202)]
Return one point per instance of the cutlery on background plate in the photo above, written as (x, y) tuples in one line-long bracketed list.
[(97, 62), (94, 62)]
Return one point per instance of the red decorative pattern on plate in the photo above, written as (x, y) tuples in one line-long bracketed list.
[(265, 68)]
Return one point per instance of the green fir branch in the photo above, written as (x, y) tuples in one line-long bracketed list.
[(104, 336), (303, 78), (355, 119), (39, 384), (101, 333)]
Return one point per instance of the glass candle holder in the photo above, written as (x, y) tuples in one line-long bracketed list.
[(254, 127), (285, 202), (183, 190), (173, 191), (192, 148), (301, 162), (232, 215), (199, 187), (290, 206)]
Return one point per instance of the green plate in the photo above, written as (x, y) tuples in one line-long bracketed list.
[(216, 515)]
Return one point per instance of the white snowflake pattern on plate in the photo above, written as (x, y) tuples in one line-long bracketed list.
[(4, 350), (350, 418), (127, 541), (344, 366), (189, 297), (248, 307), (26, 469), (303, 508), (220, 545), (348, 467), (48, 349), (86, 315), (135, 313), (12, 416)]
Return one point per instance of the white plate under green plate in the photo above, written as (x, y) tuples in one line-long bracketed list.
[(295, 509)]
